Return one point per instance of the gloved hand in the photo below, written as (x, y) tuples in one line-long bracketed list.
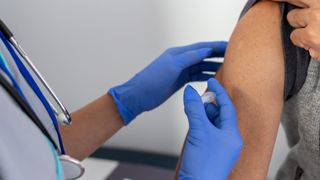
[(164, 76), (213, 143)]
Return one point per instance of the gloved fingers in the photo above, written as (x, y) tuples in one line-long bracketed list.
[(213, 114), (210, 66), (193, 107), (227, 112), (218, 47), (205, 66), (200, 77), (191, 58)]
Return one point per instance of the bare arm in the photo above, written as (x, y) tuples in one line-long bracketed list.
[(253, 74), (92, 126)]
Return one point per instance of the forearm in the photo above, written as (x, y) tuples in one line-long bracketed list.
[(92, 126)]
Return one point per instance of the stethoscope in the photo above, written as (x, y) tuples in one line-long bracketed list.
[(72, 167), (63, 117)]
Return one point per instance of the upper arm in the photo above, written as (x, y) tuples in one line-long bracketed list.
[(253, 74)]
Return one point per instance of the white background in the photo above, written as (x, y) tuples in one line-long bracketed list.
[(86, 47)]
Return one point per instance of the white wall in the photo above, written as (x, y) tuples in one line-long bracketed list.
[(85, 47)]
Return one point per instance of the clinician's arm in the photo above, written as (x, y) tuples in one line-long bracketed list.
[(253, 74), (92, 125), (98, 121)]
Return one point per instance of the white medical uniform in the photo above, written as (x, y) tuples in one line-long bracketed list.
[(24, 150)]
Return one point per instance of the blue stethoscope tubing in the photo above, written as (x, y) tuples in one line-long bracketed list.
[(23, 103), (63, 117), (5, 68), (57, 162), (27, 76), (75, 167)]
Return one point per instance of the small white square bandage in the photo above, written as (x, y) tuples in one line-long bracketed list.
[(209, 97)]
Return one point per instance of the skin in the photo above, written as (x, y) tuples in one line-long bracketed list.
[(253, 75), (92, 125), (306, 22), (98, 121)]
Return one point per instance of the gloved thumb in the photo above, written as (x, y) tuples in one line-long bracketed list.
[(193, 107), (228, 118)]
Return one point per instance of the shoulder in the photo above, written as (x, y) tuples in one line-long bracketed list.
[(23, 148)]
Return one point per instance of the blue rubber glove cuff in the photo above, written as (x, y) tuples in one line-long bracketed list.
[(126, 114)]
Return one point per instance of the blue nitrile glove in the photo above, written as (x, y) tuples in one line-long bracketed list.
[(213, 142), (164, 76)]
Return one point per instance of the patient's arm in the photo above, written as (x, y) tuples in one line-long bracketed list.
[(253, 74)]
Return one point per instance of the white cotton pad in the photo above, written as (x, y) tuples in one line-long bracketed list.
[(209, 97)]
